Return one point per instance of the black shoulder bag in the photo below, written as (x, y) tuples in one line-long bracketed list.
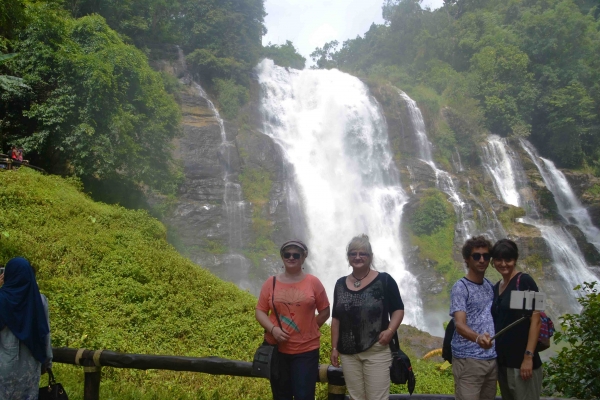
[(401, 372), (265, 363), (54, 391)]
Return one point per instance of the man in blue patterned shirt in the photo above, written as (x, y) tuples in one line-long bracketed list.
[(473, 355)]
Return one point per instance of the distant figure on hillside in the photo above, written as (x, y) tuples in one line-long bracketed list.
[(473, 355), (20, 154), (519, 364), (291, 298), (367, 311), (13, 153), (24, 333)]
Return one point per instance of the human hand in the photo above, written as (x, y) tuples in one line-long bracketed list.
[(485, 341), (2, 279), (335, 358), (280, 335), (385, 337), (527, 368)]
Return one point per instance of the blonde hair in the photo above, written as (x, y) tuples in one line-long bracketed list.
[(360, 242)]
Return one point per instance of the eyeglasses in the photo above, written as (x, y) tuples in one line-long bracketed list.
[(296, 256), (477, 256), (353, 254)]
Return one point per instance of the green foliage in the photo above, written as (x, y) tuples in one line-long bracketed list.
[(433, 213), (574, 371), (284, 55), (438, 245), (96, 109), (323, 57), (256, 187), (113, 282), (518, 68), (594, 190), (508, 216), (231, 97)]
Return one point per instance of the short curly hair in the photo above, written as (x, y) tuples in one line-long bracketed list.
[(474, 242)]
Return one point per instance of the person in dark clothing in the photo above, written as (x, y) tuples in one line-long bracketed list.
[(519, 364), (367, 311)]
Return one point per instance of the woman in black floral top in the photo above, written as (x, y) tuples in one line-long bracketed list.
[(367, 311)]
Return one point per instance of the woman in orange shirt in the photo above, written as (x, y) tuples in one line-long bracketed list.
[(296, 296)]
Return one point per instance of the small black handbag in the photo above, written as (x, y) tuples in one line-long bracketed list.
[(265, 363), (54, 391), (401, 372)]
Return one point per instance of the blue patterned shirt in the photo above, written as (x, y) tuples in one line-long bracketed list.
[(476, 301)]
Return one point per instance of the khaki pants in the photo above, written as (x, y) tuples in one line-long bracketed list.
[(513, 387), (367, 374), (474, 379)]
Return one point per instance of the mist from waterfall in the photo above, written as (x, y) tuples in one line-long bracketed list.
[(333, 136), (510, 184)]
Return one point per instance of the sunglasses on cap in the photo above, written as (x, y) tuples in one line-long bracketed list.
[(477, 256), (353, 254), (295, 256)]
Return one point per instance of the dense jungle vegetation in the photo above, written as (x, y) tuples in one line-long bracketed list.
[(78, 94), (527, 68)]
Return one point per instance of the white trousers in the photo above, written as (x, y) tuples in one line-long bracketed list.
[(367, 374)]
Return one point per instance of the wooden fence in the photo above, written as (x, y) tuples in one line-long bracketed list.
[(93, 360)]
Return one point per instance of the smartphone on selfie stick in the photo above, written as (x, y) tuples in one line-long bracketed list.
[(526, 301)]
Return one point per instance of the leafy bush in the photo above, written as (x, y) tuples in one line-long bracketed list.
[(432, 214), (575, 370), (231, 97)]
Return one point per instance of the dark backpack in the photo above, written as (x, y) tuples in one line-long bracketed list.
[(451, 327), (447, 346)]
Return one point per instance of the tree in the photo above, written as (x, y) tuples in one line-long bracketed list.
[(575, 370), (95, 108), (284, 55), (324, 57)]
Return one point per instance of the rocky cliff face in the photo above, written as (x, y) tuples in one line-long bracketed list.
[(201, 222)]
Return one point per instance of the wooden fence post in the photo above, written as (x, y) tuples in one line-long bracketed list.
[(336, 386)]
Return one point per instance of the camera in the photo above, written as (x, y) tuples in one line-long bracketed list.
[(532, 301)]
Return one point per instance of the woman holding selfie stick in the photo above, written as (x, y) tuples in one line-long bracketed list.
[(293, 325), (24, 333), (519, 364)]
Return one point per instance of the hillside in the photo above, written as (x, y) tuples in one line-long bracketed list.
[(115, 283)]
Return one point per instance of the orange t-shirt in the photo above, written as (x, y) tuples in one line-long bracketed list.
[(296, 304)]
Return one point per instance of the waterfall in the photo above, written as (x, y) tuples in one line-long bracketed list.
[(334, 138), (233, 202), (568, 205), (466, 225), (506, 170)]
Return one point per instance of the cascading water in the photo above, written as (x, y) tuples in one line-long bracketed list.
[(568, 205), (334, 138), (234, 204), (505, 168), (466, 225)]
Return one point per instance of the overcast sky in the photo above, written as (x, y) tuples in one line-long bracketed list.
[(312, 23)]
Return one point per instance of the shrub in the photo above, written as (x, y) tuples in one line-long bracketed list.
[(231, 97), (575, 370), (432, 214)]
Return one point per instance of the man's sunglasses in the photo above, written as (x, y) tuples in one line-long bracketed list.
[(353, 254), (477, 256), (296, 256)]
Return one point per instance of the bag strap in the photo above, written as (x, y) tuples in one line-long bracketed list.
[(466, 287), (519, 279), (273, 301), (51, 379)]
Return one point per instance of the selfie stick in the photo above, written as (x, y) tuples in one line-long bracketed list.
[(517, 321)]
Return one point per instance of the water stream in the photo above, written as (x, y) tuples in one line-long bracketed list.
[(333, 136)]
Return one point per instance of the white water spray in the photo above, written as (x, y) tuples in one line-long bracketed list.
[(334, 137)]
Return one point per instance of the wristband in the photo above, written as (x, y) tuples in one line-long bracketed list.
[(334, 349), (390, 329), (477, 339), (272, 329)]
